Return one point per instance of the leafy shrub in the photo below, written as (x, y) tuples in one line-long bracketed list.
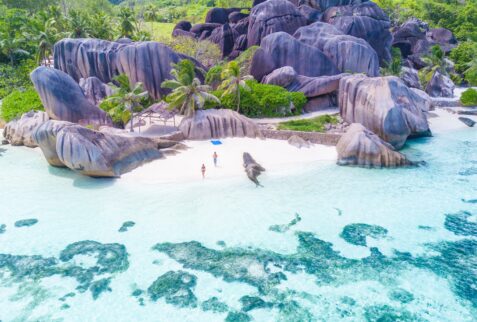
[(263, 100), (316, 124), (205, 51), (463, 55), (17, 77), (213, 77), (469, 97), (245, 59), (394, 67), (19, 102)]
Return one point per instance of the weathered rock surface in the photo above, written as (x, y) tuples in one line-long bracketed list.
[(366, 21), (440, 86), (45, 137), (298, 142), (312, 15), (325, 4), (98, 154), (146, 62), (348, 53), (236, 16), (467, 121), (272, 16), (410, 77), (94, 89), (20, 131), (220, 15), (361, 147), (281, 49), (288, 78), (385, 106), (224, 37), (208, 124), (252, 168), (63, 98)]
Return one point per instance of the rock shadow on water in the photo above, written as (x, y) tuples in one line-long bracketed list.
[(80, 181)]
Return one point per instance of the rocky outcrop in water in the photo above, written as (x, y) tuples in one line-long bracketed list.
[(361, 147), (45, 138), (385, 106), (94, 89), (281, 49), (366, 21), (21, 131), (209, 124), (349, 54), (272, 16), (252, 168), (63, 98), (146, 62), (440, 85), (98, 154)]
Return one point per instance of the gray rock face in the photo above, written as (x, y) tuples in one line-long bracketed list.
[(467, 121), (146, 62), (94, 89), (312, 15), (440, 86), (349, 54), (385, 106), (361, 147), (288, 78), (63, 98), (20, 132), (325, 4), (224, 37), (211, 124), (45, 137), (410, 77), (428, 103), (98, 154), (298, 142), (220, 15), (252, 168), (272, 16), (281, 49), (366, 21)]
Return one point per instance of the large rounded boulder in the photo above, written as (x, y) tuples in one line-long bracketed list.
[(440, 85), (348, 53), (272, 16), (366, 21), (20, 131), (361, 147), (214, 124), (64, 99), (281, 49), (95, 90), (45, 138), (385, 106)]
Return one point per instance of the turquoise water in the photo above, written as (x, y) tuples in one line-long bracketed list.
[(324, 243)]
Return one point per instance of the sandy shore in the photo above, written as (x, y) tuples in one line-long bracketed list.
[(276, 156), (447, 121)]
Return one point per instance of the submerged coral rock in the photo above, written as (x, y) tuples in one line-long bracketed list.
[(26, 222), (367, 21), (94, 89), (385, 106), (45, 138), (146, 62), (21, 131), (356, 233), (213, 304), (98, 154), (208, 124), (350, 54), (126, 225), (272, 16), (176, 288), (64, 99), (360, 147)]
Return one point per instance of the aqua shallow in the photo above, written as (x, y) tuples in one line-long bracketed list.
[(366, 244)]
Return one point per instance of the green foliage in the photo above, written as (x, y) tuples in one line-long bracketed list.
[(463, 54), (469, 97), (213, 77), (245, 59), (188, 94), (17, 77), (20, 102), (316, 124), (205, 51), (264, 100), (126, 100), (234, 81), (394, 67)]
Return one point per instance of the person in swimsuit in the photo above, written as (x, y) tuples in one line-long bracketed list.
[(203, 171), (215, 156)]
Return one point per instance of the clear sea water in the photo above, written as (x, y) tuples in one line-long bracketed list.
[(365, 245)]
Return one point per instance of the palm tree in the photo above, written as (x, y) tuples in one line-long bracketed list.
[(151, 15), (127, 22), (234, 81), (78, 25), (10, 47), (101, 23), (188, 94), (46, 40), (125, 101)]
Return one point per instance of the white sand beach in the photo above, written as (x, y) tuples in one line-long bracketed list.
[(447, 121)]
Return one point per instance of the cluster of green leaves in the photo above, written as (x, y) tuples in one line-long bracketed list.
[(19, 102), (316, 124), (469, 97), (205, 51), (394, 67)]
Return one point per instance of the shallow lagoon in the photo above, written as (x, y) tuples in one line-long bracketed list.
[(368, 245)]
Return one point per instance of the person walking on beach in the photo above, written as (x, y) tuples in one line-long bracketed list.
[(215, 156), (203, 171)]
